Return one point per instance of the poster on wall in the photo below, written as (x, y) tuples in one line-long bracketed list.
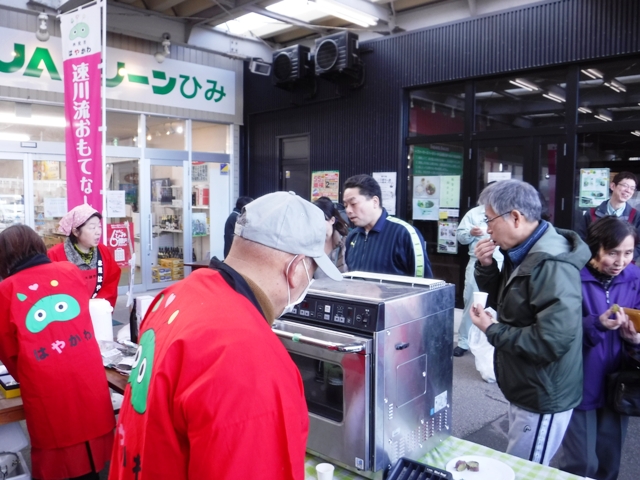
[(594, 186), (447, 242), (436, 180), (119, 238), (325, 184), (497, 176), (387, 182)]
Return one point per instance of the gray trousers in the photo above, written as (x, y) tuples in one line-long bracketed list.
[(535, 437), (592, 445)]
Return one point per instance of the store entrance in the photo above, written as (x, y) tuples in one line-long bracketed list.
[(531, 159)]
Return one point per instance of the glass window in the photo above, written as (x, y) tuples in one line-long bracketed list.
[(23, 122), (122, 129), (11, 193), (123, 174), (524, 100), (499, 157), (609, 92), (49, 196), (210, 137), (437, 110), (618, 151), (165, 132)]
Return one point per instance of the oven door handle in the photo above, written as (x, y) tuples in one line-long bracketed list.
[(335, 347)]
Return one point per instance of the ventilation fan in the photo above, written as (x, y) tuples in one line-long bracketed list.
[(337, 58), (291, 65)]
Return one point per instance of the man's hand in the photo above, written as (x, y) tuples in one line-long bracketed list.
[(484, 251), (629, 334), (620, 318), (480, 318), (477, 231)]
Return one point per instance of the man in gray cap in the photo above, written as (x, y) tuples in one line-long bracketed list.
[(213, 391)]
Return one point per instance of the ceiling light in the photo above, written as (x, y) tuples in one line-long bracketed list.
[(168, 132), (347, 13), (149, 137), (604, 115), (584, 110), (14, 54), (524, 83), (555, 93), (42, 121), (179, 129), (593, 73), (616, 86), (14, 137), (552, 97), (636, 133), (42, 33), (122, 72), (166, 43)]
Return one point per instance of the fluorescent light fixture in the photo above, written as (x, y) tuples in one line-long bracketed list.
[(593, 73), (39, 120), (616, 86), (526, 84), (556, 94), (14, 137), (584, 110), (347, 13), (604, 115), (636, 133)]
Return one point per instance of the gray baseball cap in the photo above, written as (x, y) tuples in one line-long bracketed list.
[(284, 221)]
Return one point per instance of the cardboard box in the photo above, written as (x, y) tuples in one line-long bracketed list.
[(9, 387), (177, 273), (171, 262), (161, 274)]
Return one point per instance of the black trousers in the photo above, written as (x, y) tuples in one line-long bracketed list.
[(593, 442)]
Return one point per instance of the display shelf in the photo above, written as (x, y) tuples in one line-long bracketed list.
[(200, 207)]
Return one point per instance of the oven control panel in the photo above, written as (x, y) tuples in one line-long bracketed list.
[(340, 315)]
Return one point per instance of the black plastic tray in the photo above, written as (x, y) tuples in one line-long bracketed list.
[(406, 469)]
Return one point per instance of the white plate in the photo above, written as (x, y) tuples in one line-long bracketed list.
[(490, 469)]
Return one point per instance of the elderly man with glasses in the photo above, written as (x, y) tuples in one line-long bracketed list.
[(623, 188), (538, 300)]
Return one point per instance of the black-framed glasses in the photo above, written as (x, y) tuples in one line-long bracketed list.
[(489, 220)]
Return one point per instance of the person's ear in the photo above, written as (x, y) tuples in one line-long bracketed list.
[(294, 278), (332, 220), (376, 201), (612, 186)]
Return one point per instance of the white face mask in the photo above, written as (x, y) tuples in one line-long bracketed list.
[(290, 305)]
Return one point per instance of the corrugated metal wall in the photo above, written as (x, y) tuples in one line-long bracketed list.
[(359, 131)]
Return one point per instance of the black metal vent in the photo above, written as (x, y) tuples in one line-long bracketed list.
[(291, 65), (326, 55)]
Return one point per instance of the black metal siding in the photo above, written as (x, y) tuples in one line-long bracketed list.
[(359, 131)]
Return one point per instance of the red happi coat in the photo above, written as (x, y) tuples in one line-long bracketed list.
[(111, 272), (214, 395), (47, 343)]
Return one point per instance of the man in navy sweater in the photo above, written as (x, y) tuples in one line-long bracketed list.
[(380, 243)]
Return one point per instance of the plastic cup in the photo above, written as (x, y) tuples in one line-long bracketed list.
[(324, 471), (481, 298)]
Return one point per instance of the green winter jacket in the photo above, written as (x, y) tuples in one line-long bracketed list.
[(538, 340)]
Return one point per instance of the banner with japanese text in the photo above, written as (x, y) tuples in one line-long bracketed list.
[(81, 57)]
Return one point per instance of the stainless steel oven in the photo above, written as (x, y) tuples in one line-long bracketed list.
[(375, 356)]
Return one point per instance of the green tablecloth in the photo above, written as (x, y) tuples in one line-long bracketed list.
[(454, 447)]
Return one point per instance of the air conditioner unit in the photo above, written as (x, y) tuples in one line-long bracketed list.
[(337, 58), (291, 65)]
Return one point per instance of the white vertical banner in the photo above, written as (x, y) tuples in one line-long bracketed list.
[(81, 55)]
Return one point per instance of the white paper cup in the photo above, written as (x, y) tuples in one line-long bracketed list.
[(324, 471), (481, 298)]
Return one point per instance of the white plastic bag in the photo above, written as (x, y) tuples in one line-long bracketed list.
[(483, 352)]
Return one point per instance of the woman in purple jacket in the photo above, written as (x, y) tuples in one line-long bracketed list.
[(593, 441)]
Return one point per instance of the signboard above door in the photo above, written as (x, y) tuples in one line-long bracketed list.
[(135, 77)]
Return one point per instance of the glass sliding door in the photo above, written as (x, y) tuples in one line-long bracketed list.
[(11, 191), (167, 253), (123, 232)]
